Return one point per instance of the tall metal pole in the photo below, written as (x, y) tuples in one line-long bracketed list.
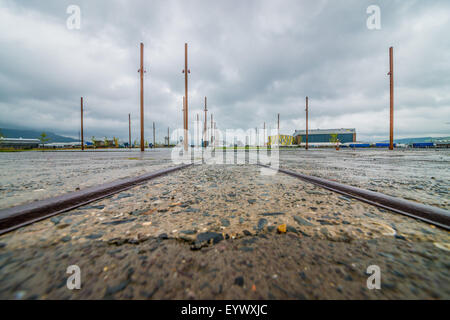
[(154, 136), (211, 133), (129, 130), (391, 83), (205, 123), (186, 71), (264, 134), (168, 137), (278, 123), (306, 145), (278, 133), (198, 125), (215, 130), (82, 137), (141, 71), (184, 116)]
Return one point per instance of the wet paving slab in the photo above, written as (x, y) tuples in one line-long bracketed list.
[(36, 175), (285, 266), (226, 232), (416, 175)]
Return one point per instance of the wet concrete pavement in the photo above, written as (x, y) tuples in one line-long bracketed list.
[(36, 175), (412, 174), (212, 232)]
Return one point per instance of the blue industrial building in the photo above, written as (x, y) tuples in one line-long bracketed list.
[(423, 145), (325, 135)]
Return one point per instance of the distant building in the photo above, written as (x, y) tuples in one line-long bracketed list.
[(325, 135), (281, 140), (56, 145), (442, 143), (423, 145), (104, 143), (19, 143)]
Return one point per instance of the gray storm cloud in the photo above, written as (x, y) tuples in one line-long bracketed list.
[(253, 59)]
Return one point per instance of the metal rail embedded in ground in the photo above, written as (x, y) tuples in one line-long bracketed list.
[(22, 215), (433, 215)]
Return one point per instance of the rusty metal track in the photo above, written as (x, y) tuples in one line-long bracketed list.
[(433, 215), (19, 216)]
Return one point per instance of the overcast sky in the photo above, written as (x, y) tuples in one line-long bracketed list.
[(252, 59)]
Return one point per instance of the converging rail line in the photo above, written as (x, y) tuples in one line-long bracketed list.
[(22, 215), (433, 215)]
